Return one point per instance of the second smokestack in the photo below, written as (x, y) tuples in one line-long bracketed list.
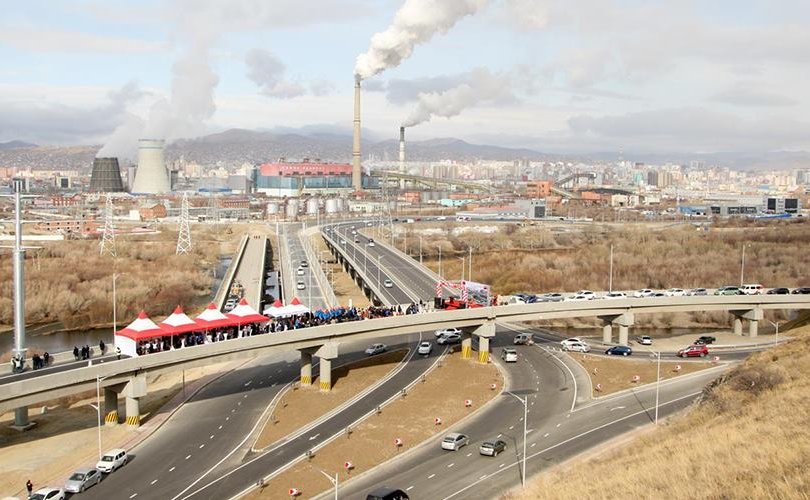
[(402, 149)]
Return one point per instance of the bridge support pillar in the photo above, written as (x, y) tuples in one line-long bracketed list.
[(624, 335), (21, 422), (326, 353), (306, 367), (607, 332), (134, 391), (110, 406), (754, 316), (466, 345), (484, 333)]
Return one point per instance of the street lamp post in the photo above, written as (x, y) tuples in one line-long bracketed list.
[(742, 266), (463, 264), (657, 385), (420, 249), (776, 326), (333, 480), (610, 278), (379, 283), (440, 262), (469, 265), (98, 410), (525, 402)]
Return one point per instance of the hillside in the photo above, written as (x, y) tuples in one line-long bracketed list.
[(747, 439)]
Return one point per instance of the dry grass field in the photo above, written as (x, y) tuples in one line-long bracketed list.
[(747, 439)]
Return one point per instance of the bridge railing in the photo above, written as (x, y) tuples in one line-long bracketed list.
[(369, 282), (315, 267), (227, 280)]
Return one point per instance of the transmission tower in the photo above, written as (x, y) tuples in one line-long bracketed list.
[(184, 236), (107, 244)]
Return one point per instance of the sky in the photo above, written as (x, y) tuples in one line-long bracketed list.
[(571, 76)]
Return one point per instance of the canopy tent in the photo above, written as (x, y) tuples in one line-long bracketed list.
[(278, 310), (296, 307), (212, 318), (142, 328), (275, 309), (243, 314), (178, 323)]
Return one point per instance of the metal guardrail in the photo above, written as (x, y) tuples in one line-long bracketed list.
[(260, 290), (287, 285), (227, 280), (315, 267), (370, 283)]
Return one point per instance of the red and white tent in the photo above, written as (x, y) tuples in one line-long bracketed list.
[(178, 323), (296, 307), (142, 328), (274, 310), (244, 314), (212, 317)]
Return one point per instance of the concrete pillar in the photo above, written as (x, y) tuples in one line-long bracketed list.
[(110, 406), (737, 325), (326, 375), (624, 334), (466, 345), (753, 328), (306, 368), (607, 333), (21, 422), (483, 350), (133, 412), (754, 316)]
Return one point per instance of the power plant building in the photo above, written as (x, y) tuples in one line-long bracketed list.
[(106, 176), (151, 176), (292, 178)]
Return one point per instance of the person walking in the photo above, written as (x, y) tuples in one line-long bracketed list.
[(118, 352), (101, 346), (30, 487), (76, 352)]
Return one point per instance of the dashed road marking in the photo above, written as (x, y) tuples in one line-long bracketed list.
[(233, 410), (172, 469), (212, 437), (451, 464), (188, 456), (499, 435), (245, 396), (469, 454), (153, 481), (545, 435), (559, 425), (431, 476), (482, 477), (227, 418), (220, 427), (133, 495), (501, 465), (409, 488), (202, 446), (533, 445), (511, 427), (248, 383)]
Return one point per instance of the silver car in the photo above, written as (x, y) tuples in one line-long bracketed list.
[(82, 479)]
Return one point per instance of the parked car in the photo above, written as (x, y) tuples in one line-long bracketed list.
[(698, 291), (112, 460), (386, 493), (388, 284), (571, 340), (644, 340), (577, 347), (229, 305), (801, 291), (447, 331), (424, 348), (48, 494), (551, 297), (644, 292), (675, 292), (752, 289), (509, 355), (615, 295), (522, 339), (694, 350), (584, 295), (454, 441), (619, 350), (778, 291), (705, 339), (376, 349), (728, 290), (82, 479), (492, 448), (450, 338)]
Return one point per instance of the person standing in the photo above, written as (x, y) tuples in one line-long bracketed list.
[(118, 352), (30, 487), (76, 352), (101, 346)]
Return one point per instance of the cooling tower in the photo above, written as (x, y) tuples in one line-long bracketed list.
[(151, 176), (357, 182), (106, 176)]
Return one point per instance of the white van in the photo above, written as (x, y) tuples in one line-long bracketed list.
[(751, 289), (112, 460)]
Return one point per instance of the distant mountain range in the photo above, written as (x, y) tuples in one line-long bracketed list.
[(236, 146)]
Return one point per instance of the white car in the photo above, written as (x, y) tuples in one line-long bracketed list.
[(388, 284), (644, 340), (675, 292), (448, 331), (752, 289), (112, 460), (371, 243), (615, 295), (441, 217), (300, 271), (577, 347), (454, 441), (300, 286), (572, 340), (509, 355), (48, 494), (582, 295), (644, 292), (425, 347), (376, 349)]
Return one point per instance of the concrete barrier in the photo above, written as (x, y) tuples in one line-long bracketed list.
[(227, 280)]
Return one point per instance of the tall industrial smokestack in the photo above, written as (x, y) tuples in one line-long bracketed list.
[(402, 156), (151, 176), (357, 182)]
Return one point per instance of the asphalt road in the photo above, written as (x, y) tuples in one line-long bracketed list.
[(312, 295), (250, 273), (556, 432)]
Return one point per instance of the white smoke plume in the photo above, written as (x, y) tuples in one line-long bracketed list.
[(479, 86), (268, 72), (414, 23)]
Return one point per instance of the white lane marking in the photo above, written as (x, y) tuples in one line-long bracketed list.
[(314, 437), (533, 445), (212, 437), (499, 435), (248, 383), (545, 435), (133, 495), (617, 408), (511, 427), (520, 419), (245, 396), (573, 378), (451, 464), (233, 410), (501, 465), (172, 469), (469, 454), (238, 403), (409, 488), (220, 427), (482, 477), (153, 481), (202, 446), (559, 425), (431, 476), (567, 416), (227, 418)]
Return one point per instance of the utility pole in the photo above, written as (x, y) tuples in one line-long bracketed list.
[(107, 244), (742, 266), (610, 279), (184, 235), (469, 265)]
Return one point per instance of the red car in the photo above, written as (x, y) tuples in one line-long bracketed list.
[(694, 350)]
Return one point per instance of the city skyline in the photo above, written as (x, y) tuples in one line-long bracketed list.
[(589, 76)]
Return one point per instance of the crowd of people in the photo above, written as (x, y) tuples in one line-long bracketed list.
[(275, 325)]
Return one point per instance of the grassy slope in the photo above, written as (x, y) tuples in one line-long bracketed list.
[(748, 439)]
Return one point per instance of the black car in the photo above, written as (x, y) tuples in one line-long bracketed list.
[(385, 493), (705, 339), (802, 291), (778, 291), (619, 350)]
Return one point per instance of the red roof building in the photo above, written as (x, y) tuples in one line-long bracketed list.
[(304, 168)]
